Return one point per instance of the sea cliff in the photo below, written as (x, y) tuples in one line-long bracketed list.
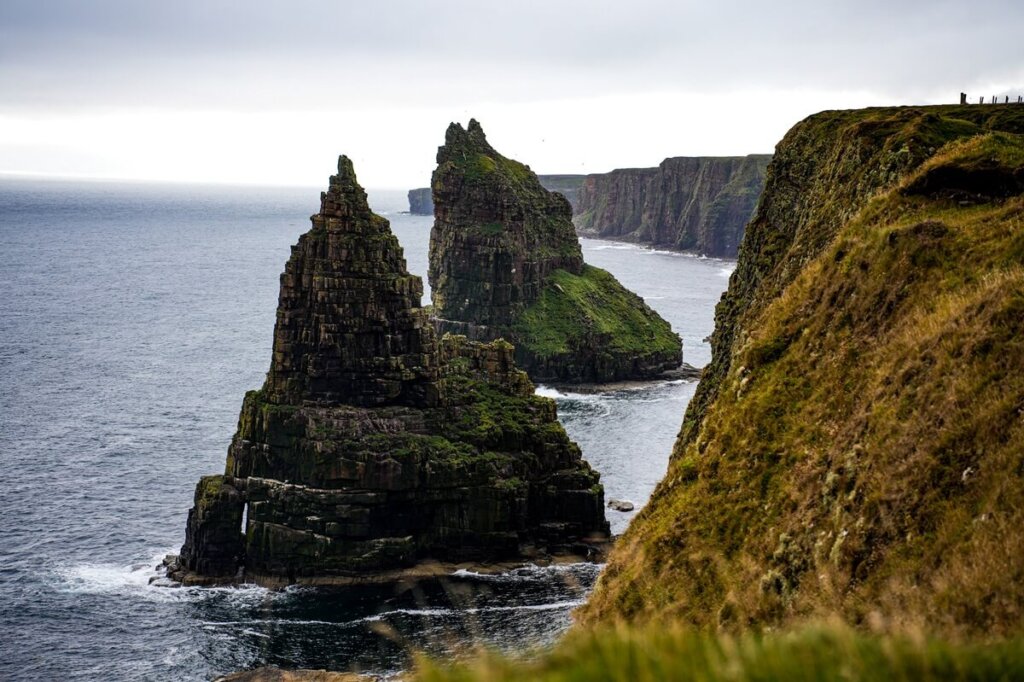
[(373, 444), (698, 204), (505, 262), (854, 449)]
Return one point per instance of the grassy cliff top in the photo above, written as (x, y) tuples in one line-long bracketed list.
[(860, 449)]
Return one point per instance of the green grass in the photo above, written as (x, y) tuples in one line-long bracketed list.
[(671, 652), (574, 310)]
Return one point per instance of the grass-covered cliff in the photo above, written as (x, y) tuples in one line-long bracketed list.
[(698, 204), (856, 448)]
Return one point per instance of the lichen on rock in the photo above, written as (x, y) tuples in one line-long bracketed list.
[(505, 262), (373, 444)]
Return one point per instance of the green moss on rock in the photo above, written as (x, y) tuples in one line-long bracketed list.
[(590, 320)]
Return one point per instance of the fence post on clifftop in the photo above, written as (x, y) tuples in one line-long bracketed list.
[(981, 100), (963, 98)]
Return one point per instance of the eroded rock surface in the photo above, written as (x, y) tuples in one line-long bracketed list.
[(373, 444)]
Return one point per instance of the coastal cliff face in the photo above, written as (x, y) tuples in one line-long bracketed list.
[(698, 204), (372, 444), (421, 202), (855, 447), (505, 262)]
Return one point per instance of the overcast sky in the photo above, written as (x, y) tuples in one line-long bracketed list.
[(271, 92)]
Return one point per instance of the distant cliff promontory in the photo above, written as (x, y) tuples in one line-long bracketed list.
[(505, 262), (421, 202), (698, 204)]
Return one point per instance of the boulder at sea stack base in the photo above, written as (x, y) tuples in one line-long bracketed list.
[(374, 445), (505, 262)]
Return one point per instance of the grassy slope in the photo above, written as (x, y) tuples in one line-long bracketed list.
[(573, 310), (858, 448), (656, 654)]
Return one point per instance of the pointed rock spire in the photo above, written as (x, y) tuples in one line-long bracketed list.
[(350, 327)]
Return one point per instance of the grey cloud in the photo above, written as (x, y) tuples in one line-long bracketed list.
[(265, 54)]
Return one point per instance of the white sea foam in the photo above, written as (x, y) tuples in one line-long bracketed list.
[(134, 580)]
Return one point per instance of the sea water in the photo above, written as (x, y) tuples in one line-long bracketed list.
[(133, 318)]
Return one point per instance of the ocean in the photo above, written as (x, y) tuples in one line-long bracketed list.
[(133, 319)]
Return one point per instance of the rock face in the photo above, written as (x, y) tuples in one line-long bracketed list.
[(698, 204), (505, 262), (372, 444), (854, 448), (422, 203)]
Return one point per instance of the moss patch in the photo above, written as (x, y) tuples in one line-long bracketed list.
[(574, 309)]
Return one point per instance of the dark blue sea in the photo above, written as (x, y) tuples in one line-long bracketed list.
[(133, 318)]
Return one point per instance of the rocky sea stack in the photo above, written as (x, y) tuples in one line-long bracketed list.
[(373, 444), (505, 262)]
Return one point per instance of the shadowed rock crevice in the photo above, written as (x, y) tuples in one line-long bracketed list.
[(373, 444)]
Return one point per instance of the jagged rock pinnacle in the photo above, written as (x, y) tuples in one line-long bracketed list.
[(373, 444)]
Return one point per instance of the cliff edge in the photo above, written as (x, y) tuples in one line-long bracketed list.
[(505, 262), (699, 204), (374, 445), (855, 447)]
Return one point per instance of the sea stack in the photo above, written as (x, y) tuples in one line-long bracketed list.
[(505, 262), (373, 444)]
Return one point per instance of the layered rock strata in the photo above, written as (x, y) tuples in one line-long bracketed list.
[(505, 262), (699, 204), (373, 444), (421, 202)]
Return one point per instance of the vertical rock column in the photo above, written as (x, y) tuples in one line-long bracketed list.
[(497, 232), (350, 328)]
